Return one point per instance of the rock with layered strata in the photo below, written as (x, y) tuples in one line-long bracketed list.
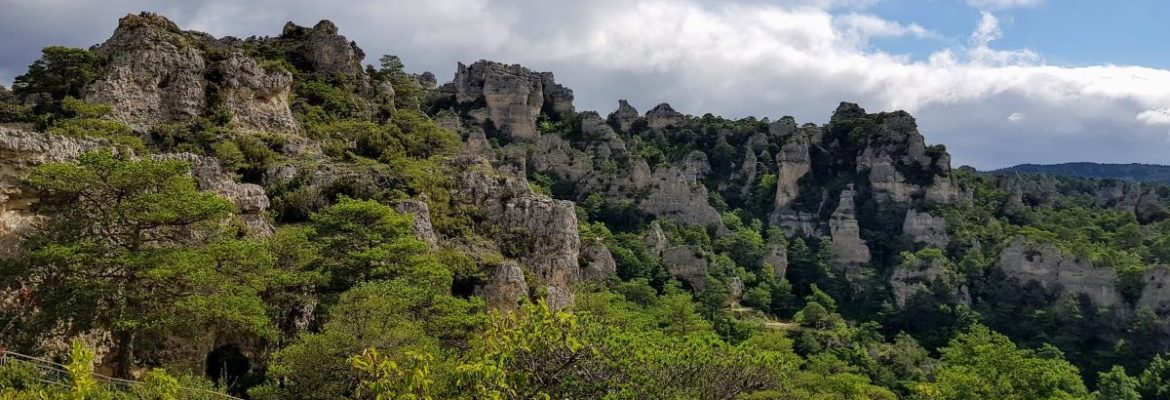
[(1061, 274)]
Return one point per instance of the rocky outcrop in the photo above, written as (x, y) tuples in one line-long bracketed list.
[(505, 287), (250, 199), (677, 193), (1148, 208), (687, 264), (507, 99), (849, 252), (899, 165), (625, 116), (539, 232), (793, 162), (20, 152), (156, 73), (926, 229), (663, 116), (420, 215), (776, 255), (1062, 275), (324, 50), (1156, 291), (927, 277), (597, 263), (656, 240)]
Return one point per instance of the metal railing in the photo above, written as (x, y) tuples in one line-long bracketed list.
[(54, 374)]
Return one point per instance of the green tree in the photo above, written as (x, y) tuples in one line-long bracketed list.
[(132, 247), (363, 240), (60, 72), (1155, 379), (533, 353), (1115, 384), (982, 364)]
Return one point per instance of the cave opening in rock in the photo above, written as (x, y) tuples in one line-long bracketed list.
[(227, 365), (464, 286)]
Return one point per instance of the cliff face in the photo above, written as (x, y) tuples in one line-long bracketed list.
[(538, 232), (156, 73), (1061, 275), (20, 152)]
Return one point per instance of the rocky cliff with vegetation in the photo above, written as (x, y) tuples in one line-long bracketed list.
[(270, 215)]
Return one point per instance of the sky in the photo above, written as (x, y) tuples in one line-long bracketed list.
[(999, 82)]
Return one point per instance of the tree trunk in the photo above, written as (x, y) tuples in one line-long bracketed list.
[(123, 354)]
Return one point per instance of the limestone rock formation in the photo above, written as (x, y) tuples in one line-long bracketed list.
[(324, 49), (776, 255), (625, 116), (1149, 209), (678, 194), (507, 99), (927, 276), (156, 73), (793, 162), (1063, 275), (20, 152), (1156, 290), (541, 233), (655, 239), (926, 229), (687, 264), (250, 200), (663, 116), (849, 252), (420, 215), (597, 263), (505, 287)]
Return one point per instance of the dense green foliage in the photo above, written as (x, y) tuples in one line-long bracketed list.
[(1136, 172), (60, 72)]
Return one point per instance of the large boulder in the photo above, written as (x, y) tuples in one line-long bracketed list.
[(1156, 291), (597, 263), (925, 229), (505, 287)]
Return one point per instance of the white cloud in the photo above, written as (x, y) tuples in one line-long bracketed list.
[(989, 31), (1155, 117), (1002, 4), (864, 26), (731, 58)]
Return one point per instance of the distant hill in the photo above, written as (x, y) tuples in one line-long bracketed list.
[(1135, 172)]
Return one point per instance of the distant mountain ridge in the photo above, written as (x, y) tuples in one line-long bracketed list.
[(1135, 172)]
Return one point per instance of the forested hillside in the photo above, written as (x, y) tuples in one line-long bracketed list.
[(270, 219), (1133, 172)]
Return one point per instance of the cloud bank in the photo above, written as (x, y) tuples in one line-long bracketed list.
[(993, 107)]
